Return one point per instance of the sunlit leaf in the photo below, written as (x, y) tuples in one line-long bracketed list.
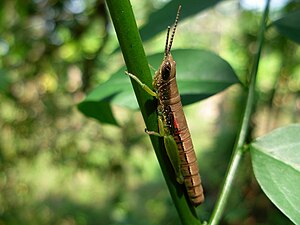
[(289, 26), (276, 164), (160, 19), (200, 74), (164, 17)]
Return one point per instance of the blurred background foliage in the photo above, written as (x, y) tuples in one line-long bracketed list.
[(59, 167)]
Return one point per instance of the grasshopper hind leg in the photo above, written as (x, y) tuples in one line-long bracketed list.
[(171, 149)]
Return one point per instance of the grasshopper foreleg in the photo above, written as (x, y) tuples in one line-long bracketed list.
[(144, 86), (151, 67)]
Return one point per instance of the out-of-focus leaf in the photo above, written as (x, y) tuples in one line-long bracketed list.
[(164, 17), (276, 164), (4, 81), (200, 74), (289, 26)]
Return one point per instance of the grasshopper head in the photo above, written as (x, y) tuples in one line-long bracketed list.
[(167, 69)]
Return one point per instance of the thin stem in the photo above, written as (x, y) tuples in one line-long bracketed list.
[(136, 62), (238, 149)]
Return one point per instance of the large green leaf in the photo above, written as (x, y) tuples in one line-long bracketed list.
[(276, 164), (165, 16), (200, 74), (289, 26)]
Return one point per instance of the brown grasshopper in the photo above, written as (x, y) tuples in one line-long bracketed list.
[(172, 123)]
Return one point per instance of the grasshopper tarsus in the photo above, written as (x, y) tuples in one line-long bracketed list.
[(151, 67), (152, 133)]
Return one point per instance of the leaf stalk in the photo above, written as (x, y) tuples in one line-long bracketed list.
[(136, 62), (243, 131)]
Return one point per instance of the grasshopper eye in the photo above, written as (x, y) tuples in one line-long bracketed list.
[(166, 70)]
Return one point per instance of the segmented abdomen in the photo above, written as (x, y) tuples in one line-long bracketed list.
[(173, 112)]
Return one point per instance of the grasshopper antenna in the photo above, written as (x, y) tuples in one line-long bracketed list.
[(167, 41), (168, 49)]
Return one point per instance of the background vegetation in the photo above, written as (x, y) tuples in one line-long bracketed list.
[(59, 167)]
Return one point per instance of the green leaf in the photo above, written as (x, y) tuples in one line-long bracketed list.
[(4, 81), (200, 74), (99, 110), (276, 164), (289, 26), (159, 20)]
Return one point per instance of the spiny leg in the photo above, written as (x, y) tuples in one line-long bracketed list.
[(171, 148), (172, 152)]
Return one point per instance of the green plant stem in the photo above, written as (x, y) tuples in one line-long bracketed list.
[(240, 141), (136, 62)]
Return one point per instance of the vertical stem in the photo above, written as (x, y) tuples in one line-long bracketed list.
[(136, 62), (237, 153)]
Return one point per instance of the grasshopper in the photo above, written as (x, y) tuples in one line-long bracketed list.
[(172, 123)]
